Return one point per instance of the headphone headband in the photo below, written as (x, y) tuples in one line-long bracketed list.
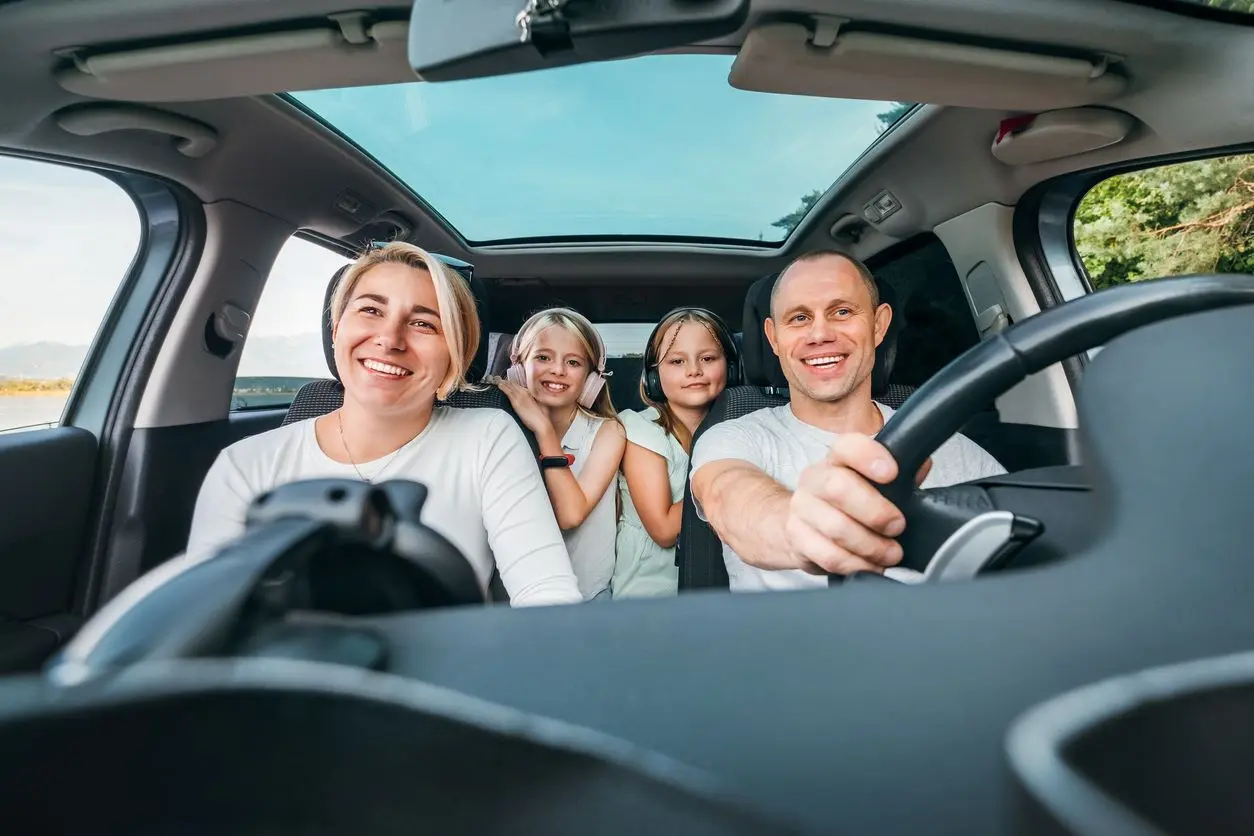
[(721, 333), (650, 380)]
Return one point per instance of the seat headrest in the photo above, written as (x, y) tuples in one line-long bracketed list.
[(762, 367), (477, 366)]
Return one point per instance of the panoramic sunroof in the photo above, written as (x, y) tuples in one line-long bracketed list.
[(653, 146)]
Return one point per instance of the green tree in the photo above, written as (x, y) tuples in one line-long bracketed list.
[(1193, 217), (899, 109), (790, 221), (1246, 6)]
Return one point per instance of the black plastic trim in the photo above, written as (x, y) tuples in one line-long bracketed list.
[(764, 246), (174, 225), (1043, 243)]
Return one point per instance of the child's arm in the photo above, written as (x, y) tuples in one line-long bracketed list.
[(573, 499)]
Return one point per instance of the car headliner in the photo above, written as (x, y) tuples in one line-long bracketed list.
[(938, 161)]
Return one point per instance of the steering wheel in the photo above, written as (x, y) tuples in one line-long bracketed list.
[(957, 532)]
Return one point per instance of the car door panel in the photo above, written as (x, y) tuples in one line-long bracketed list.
[(166, 466), (46, 483)]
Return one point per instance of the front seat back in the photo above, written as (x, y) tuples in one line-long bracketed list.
[(699, 553)]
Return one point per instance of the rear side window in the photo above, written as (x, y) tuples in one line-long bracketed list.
[(67, 240), (283, 350), (938, 325), (1172, 220)]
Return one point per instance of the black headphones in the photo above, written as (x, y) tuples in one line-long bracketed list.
[(651, 381)]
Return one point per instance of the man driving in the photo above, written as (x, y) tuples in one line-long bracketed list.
[(789, 489)]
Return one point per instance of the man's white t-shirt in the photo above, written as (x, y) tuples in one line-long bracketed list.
[(782, 446), (485, 494)]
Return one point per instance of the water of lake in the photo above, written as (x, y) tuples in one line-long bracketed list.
[(30, 410)]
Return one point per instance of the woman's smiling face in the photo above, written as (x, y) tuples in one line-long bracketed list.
[(390, 348)]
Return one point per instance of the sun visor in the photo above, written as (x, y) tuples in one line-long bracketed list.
[(349, 50), (835, 60), (1035, 138)]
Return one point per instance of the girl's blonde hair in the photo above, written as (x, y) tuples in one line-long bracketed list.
[(459, 320), (589, 339), (656, 351)]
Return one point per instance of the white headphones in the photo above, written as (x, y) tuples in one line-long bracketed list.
[(596, 378)]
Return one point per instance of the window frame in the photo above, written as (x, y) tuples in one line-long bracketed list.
[(1044, 230), (1045, 218), (1077, 258), (332, 245)]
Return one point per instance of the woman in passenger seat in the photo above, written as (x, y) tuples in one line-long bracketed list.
[(405, 331), (689, 359), (556, 384)]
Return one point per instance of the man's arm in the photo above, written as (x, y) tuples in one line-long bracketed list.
[(748, 510), (835, 522)]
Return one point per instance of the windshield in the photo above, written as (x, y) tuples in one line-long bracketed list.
[(659, 146)]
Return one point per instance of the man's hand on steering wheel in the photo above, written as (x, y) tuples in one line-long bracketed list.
[(838, 521)]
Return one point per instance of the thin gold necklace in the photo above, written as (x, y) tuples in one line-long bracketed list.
[(339, 418)]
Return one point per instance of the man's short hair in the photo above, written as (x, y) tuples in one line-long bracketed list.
[(863, 271)]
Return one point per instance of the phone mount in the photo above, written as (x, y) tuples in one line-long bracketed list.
[(314, 555)]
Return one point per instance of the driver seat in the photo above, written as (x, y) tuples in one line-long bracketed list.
[(699, 552)]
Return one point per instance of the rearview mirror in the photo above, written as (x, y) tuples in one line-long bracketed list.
[(460, 39)]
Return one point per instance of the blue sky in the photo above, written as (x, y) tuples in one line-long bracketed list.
[(655, 145)]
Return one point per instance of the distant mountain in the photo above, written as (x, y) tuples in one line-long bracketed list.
[(294, 356), (42, 360)]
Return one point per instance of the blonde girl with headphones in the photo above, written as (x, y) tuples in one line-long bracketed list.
[(556, 385), (689, 359)]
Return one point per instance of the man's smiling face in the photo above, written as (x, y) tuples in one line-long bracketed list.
[(825, 326)]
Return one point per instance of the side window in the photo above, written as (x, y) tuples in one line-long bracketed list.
[(938, 325), (1193, 217), (283, 350), (67, 240)]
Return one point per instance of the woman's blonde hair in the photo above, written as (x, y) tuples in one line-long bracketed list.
[(459, 319), (656, 351), (589, 339)]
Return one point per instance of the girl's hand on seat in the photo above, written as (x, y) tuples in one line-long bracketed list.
[(529, 411)]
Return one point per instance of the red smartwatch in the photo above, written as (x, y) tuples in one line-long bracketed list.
[(556, 461)]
